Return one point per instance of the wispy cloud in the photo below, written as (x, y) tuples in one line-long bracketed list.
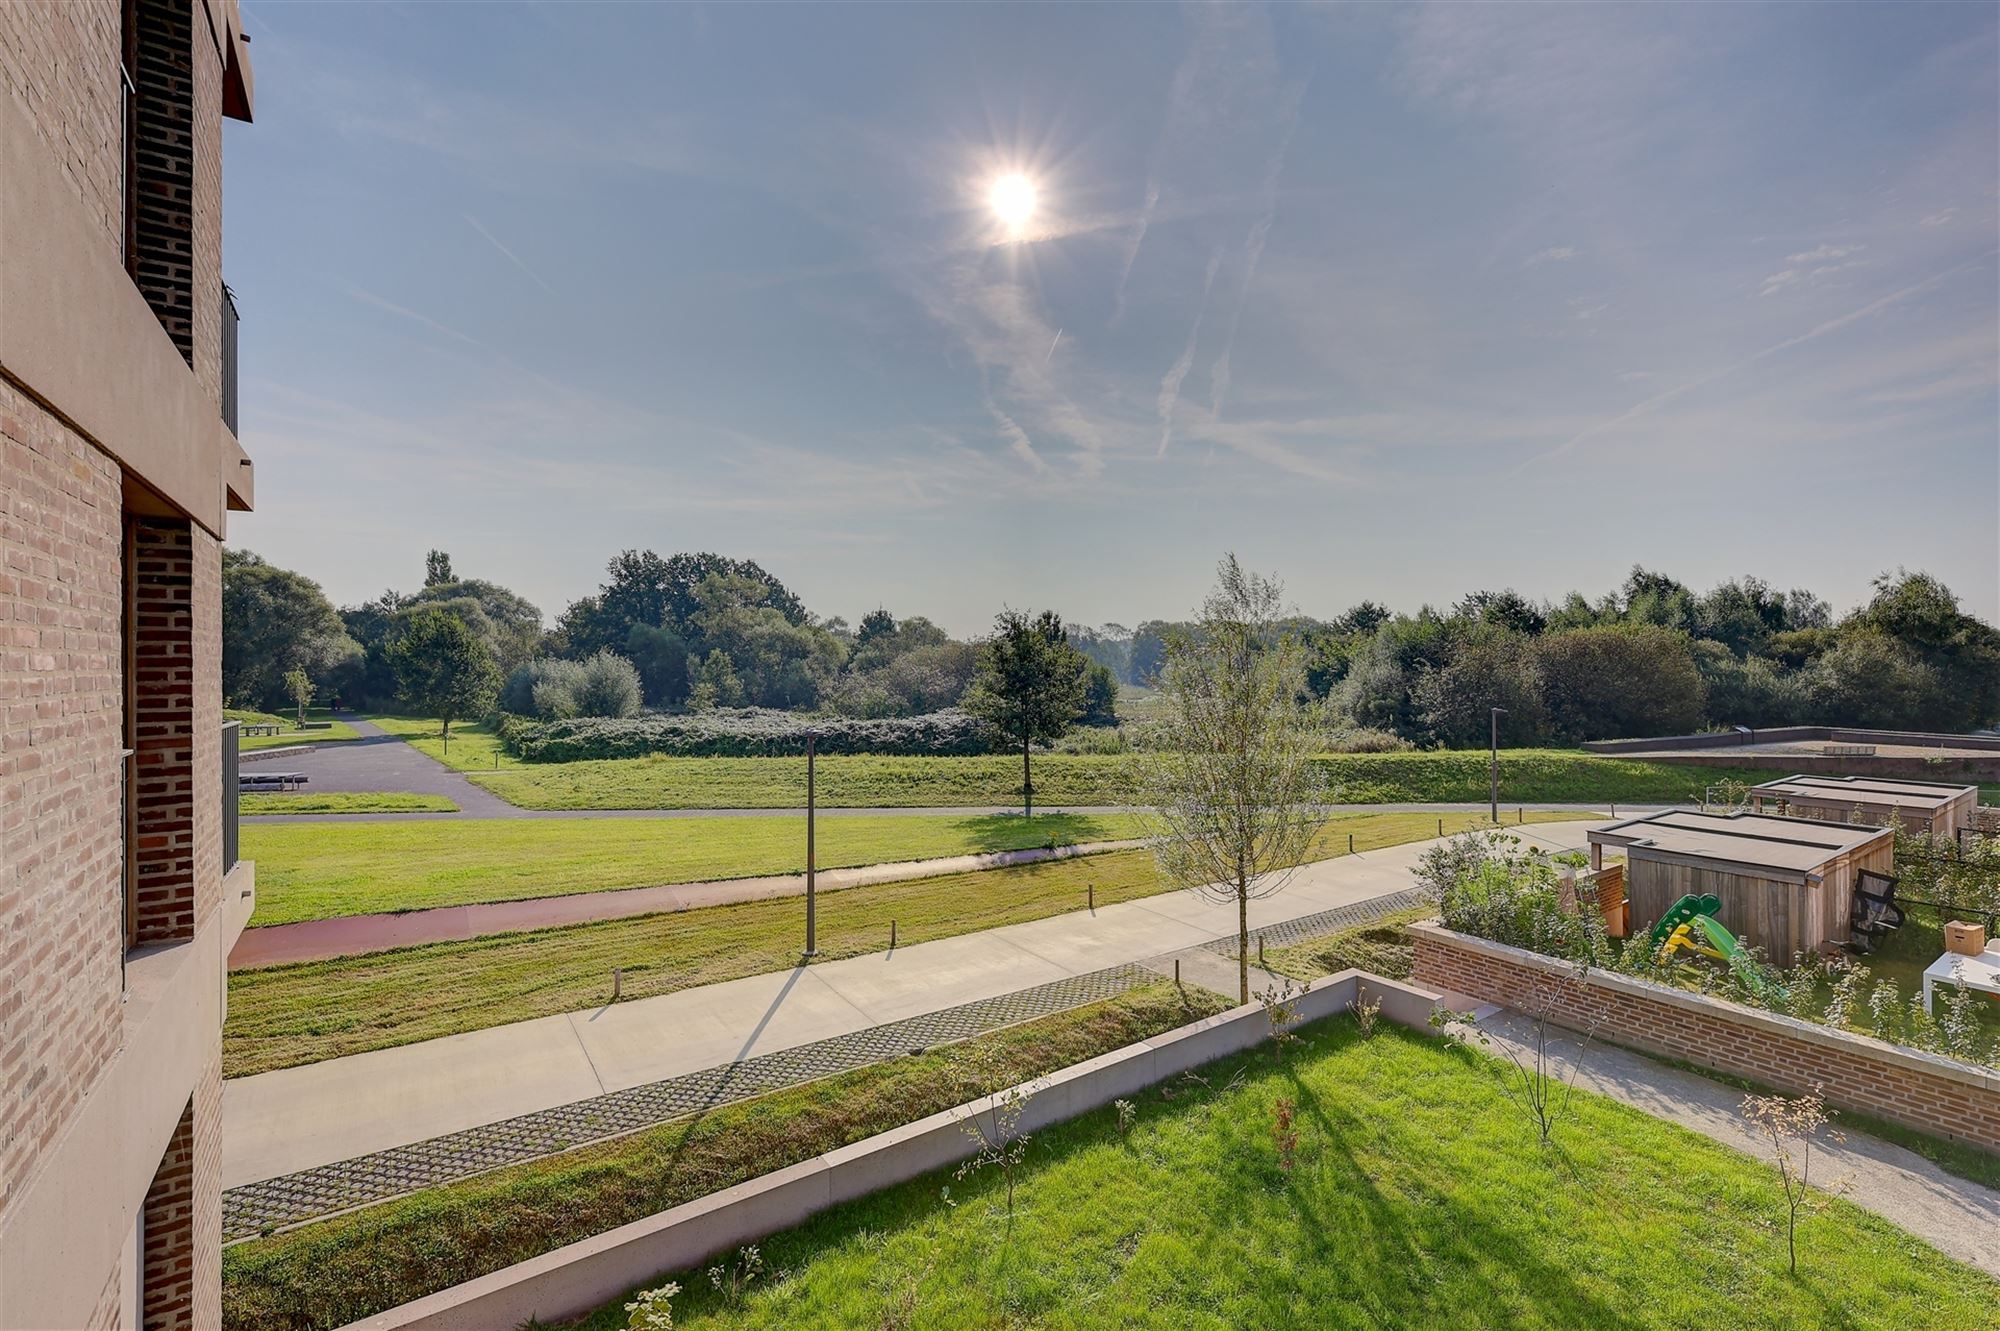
[(1940, 218), (512, 257), (1819, 330), (1553, 254), (1221, 372), (405, 312), (1170, 383)]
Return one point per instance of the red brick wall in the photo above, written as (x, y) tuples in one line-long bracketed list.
[(1853, 1071), (61, 666), (177, 719), (181, 1284)]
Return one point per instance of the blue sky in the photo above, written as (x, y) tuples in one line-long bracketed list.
[(1395, 302)]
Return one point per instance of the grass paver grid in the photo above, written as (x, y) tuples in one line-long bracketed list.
[(253, 1208)]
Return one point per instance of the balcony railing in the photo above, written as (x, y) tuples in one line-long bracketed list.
[(229, 795), (229, 359)]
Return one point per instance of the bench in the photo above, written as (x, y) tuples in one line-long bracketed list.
[(259, 728), (271, 781)]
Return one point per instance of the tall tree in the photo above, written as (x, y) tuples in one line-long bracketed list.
[(1236, 792), (274, 621), (442, 668), (1030, 684), (437, 569)]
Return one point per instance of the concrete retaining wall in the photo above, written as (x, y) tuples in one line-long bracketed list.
[(575, 1279)]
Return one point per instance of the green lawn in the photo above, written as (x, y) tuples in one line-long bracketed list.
[(1418, 1199), (348, 1267), (332, 733), (343, 801), (309, 872), (474, 747), (281, 1016)]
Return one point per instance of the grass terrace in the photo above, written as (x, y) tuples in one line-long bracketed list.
[(282, 1016), (1416, 1197), (315, 872), (334, 1271)]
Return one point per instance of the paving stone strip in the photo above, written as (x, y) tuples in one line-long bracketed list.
[(1287, 932), (254, 1208)]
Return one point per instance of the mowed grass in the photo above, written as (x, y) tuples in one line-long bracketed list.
[(348, 1267), (282, 1016), (311, 872), (344, 801), (864, 781), (332, 733), (1418, 1198)]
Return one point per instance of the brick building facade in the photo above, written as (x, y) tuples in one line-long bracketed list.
[(117, 471)]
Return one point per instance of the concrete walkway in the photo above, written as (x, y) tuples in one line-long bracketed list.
[(1956, 1216), (353, 935), (300, 1118)]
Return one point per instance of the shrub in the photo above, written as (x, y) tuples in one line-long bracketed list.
[(517, 695), (750, 732), (607, 685)]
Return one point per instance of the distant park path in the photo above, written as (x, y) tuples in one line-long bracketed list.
[(351, 935)]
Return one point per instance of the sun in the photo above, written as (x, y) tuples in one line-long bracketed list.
[(1013, 198)]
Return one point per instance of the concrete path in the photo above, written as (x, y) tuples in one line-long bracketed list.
[(352, 935), (1956, 1216), (300, 1118)]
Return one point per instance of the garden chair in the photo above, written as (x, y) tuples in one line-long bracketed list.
[(1874, 912)]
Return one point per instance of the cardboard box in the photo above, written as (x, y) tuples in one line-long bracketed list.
[(1968, 940)]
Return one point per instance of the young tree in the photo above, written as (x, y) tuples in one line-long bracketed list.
[(1790, 1126), (1235, 789), (442, 669), (1030, 684), (300, 686)]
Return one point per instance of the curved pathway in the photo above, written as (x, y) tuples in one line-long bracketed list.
[(352, 935), (377, 761)]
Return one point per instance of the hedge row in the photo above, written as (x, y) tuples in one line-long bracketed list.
[(749, 732)]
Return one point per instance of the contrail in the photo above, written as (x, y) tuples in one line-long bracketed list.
[(1052, 350)]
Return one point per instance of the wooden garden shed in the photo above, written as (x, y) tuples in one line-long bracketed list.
[(1937, 807), (1786, 884)]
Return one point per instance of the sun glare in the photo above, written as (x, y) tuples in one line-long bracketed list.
[(1013, 199)]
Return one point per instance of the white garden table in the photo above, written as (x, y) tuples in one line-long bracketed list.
[(1981, 972)]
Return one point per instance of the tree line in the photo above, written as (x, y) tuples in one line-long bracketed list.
[(696, 631)]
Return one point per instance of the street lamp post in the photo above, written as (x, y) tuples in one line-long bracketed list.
[(812, 922), (1493, 765)]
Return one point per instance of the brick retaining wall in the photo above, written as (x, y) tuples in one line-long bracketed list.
[(1940, 1096)]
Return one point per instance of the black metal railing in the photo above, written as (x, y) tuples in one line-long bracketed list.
[(229, 795), (229, 358)]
